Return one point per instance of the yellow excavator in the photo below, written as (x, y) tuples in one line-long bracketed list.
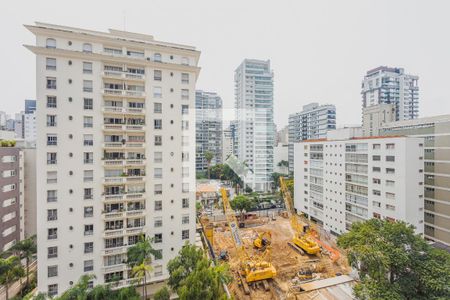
[(262, 240), (302, 238), (252, 269)]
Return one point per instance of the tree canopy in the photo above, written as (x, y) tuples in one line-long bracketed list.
[(242, 203), (395, 263)]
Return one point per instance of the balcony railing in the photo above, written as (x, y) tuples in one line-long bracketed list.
[(123, 110), (123, 75), (123, 127), (126, 145), (126, 93)]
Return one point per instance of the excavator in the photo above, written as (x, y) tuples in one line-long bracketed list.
[(262, 240), (302, 239), (252, 269)]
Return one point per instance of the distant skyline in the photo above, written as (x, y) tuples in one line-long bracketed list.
[(319, 50)]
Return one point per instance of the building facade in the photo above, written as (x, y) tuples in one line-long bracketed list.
[(338, 181), (375, 116), (392, 85), (115, 151), (208, 127), (313, 122), (11, 197), (255, 128), (30, 106), (29, 126), (227, 144), (436, 132)]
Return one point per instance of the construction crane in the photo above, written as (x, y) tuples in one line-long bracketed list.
[(251, 269), (302, 239)]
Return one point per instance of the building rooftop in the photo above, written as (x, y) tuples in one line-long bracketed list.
[(426, 120)]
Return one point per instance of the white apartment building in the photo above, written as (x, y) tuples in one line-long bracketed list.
[(227, 144), (30, 128), (392, 85), (375, 116), (313, 122), (255, 128), (345, 179), (115, 151)]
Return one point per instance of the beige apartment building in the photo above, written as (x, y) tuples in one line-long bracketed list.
[(115, 151)]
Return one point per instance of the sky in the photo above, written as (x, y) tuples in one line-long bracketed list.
[(319, 50)]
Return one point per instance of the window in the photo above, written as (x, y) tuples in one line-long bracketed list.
[(52, 290), (158, 238), (390, 146), (52, 215), (185, 219), (390, 207), (376, 169), (185, 172), (390, 158), (158, 205), (185, 203), (87, 86), (52, 196), (158, 157), (376, 181), (184, 109), (376, 158), (88, 211), (376, 192), (185, 61), (185, 78), (158, 173), (52, 252), (184, 125), (88, 103), (157, 108), (390, 183), (87, 67), (88, 265), (158, 222), (88, 193), (184, 156), (50, 43), (88, 122), (185, 187), (50, 63), (376, 146), (52, 140), (51, 101), (88, 140), (9, 202), (158, 189), (88, 157), (157, 57), (157, 92), (390, 171), (157, 75), (51, 120), (88, 247), (88, 175), (184, 140), (184, 94), (185, 234), (376, 204), (52, 233), (52, 177), (87, 48), (158, 140), (158, 271), (390, 196), (51, 83), (51, 158), (158, 124), (89, 229)]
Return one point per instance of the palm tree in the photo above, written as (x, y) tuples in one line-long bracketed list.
[(10, 270), (141, 252), (209, 156), (26, 249), (140, 272)]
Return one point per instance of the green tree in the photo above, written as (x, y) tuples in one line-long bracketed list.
[(26, 249), (276, 179), (79, 291), (242, 203), (141, 272), (283, 163), (141, 252), (193, 276), (162, 294), (10, 270), (209, 156), (394, 263)]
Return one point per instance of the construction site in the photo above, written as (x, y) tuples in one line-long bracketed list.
[(278, 256)]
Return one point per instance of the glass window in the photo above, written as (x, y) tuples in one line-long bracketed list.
[(158, 124), (88, 175), (157, 92), (52, 140), (184, 109), (158, 157), (158, 140), (185, 78), (51, 101), (185, 234), (158, 189), (51, 63), (52, 290), (185, 61), (50, 43), (87, 67), (51, 83), (88, 103), (157, 75), (88, 247), (157, 57), (88, 265), (185, 203), (88, 140), (158, 205), (52, 214), (185, 94), (52, 233), (157, 108), (52, 252), (87, 86), (51, 120), (87, 48), (88, 122)]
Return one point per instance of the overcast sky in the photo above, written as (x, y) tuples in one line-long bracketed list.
[(319, 50)]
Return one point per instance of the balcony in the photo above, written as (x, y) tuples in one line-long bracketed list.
[(123, 110), (114, 268), (135, 213), (123, 127), (123, 93), (124, 162), (113, 233), (120, 145), (123, 179), (123, 75), (113, 215)]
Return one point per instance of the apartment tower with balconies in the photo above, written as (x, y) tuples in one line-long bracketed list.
[(115, 151)]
